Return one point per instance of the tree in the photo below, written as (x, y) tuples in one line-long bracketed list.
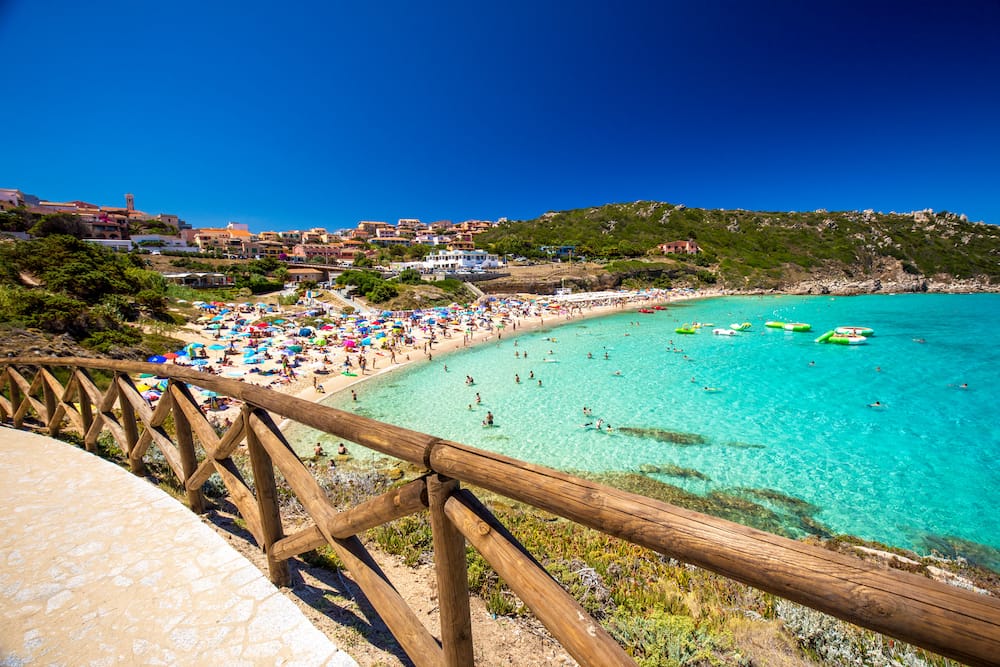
[(361, 260), (382, 292), (410, 277), (59, 223), (17, 220)]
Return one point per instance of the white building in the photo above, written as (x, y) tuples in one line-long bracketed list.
[(462, 260)]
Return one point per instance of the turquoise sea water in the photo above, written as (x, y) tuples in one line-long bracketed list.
[(787, 415)]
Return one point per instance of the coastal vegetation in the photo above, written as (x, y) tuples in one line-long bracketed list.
[(742, 249), (406, 291), (61, 285)]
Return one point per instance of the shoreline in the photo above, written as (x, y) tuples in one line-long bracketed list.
[(333, 382), (428, 345)]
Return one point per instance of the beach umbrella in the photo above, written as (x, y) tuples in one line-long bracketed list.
[(235, 374), (366, 341), (141, 387), (294, 348), (156, 359), (216, 346), (305, 331), (150, 395), (199, 362)]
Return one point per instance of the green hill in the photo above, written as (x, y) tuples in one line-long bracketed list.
[(754, 249)]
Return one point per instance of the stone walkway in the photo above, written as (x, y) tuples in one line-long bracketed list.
[(100, 567)]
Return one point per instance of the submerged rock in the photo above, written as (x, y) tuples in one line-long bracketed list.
[(678, 471), (663, 435), (794, 505)]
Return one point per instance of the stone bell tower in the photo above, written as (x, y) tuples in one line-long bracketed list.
[(130, 202)]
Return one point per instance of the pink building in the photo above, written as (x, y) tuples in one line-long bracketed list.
[(679, 248)]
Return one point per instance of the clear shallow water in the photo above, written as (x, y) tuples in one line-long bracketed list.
[(923, 466)]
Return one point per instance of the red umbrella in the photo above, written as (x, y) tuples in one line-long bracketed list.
[(170, 355)]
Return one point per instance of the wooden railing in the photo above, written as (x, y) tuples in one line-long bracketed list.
[(955, 623)]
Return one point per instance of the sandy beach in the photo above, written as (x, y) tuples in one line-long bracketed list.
[(337, 361)]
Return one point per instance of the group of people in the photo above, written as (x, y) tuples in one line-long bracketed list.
[(600, 425), (319, 452)]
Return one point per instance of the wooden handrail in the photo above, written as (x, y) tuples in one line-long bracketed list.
[(953, 622)]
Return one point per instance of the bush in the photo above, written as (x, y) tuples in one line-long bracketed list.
[(410, 277), (106, 341), (382, 293)]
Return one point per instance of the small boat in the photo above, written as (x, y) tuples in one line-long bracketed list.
[(646, 311), (659, 308), (723, 332), (686, 329), (797, 326)]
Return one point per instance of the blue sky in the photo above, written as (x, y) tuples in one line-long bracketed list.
[(295, 115)]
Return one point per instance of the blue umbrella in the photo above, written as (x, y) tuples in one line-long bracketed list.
[(156, 359), (216, 346), (199, 362)]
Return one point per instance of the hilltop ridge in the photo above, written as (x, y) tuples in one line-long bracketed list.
[(809, 252)]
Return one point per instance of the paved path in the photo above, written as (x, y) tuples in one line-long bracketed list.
[(100, 567)]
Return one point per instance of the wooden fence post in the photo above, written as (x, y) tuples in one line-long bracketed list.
[(131, 430), (572, 626), (51, 418), (452, 576), (15, 401), (189, 461), (86, 411), (267, 503)]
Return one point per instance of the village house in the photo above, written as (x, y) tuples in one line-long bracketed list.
[(679, 248)]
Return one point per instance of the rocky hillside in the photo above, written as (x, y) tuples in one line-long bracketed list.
[(814, 252)]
